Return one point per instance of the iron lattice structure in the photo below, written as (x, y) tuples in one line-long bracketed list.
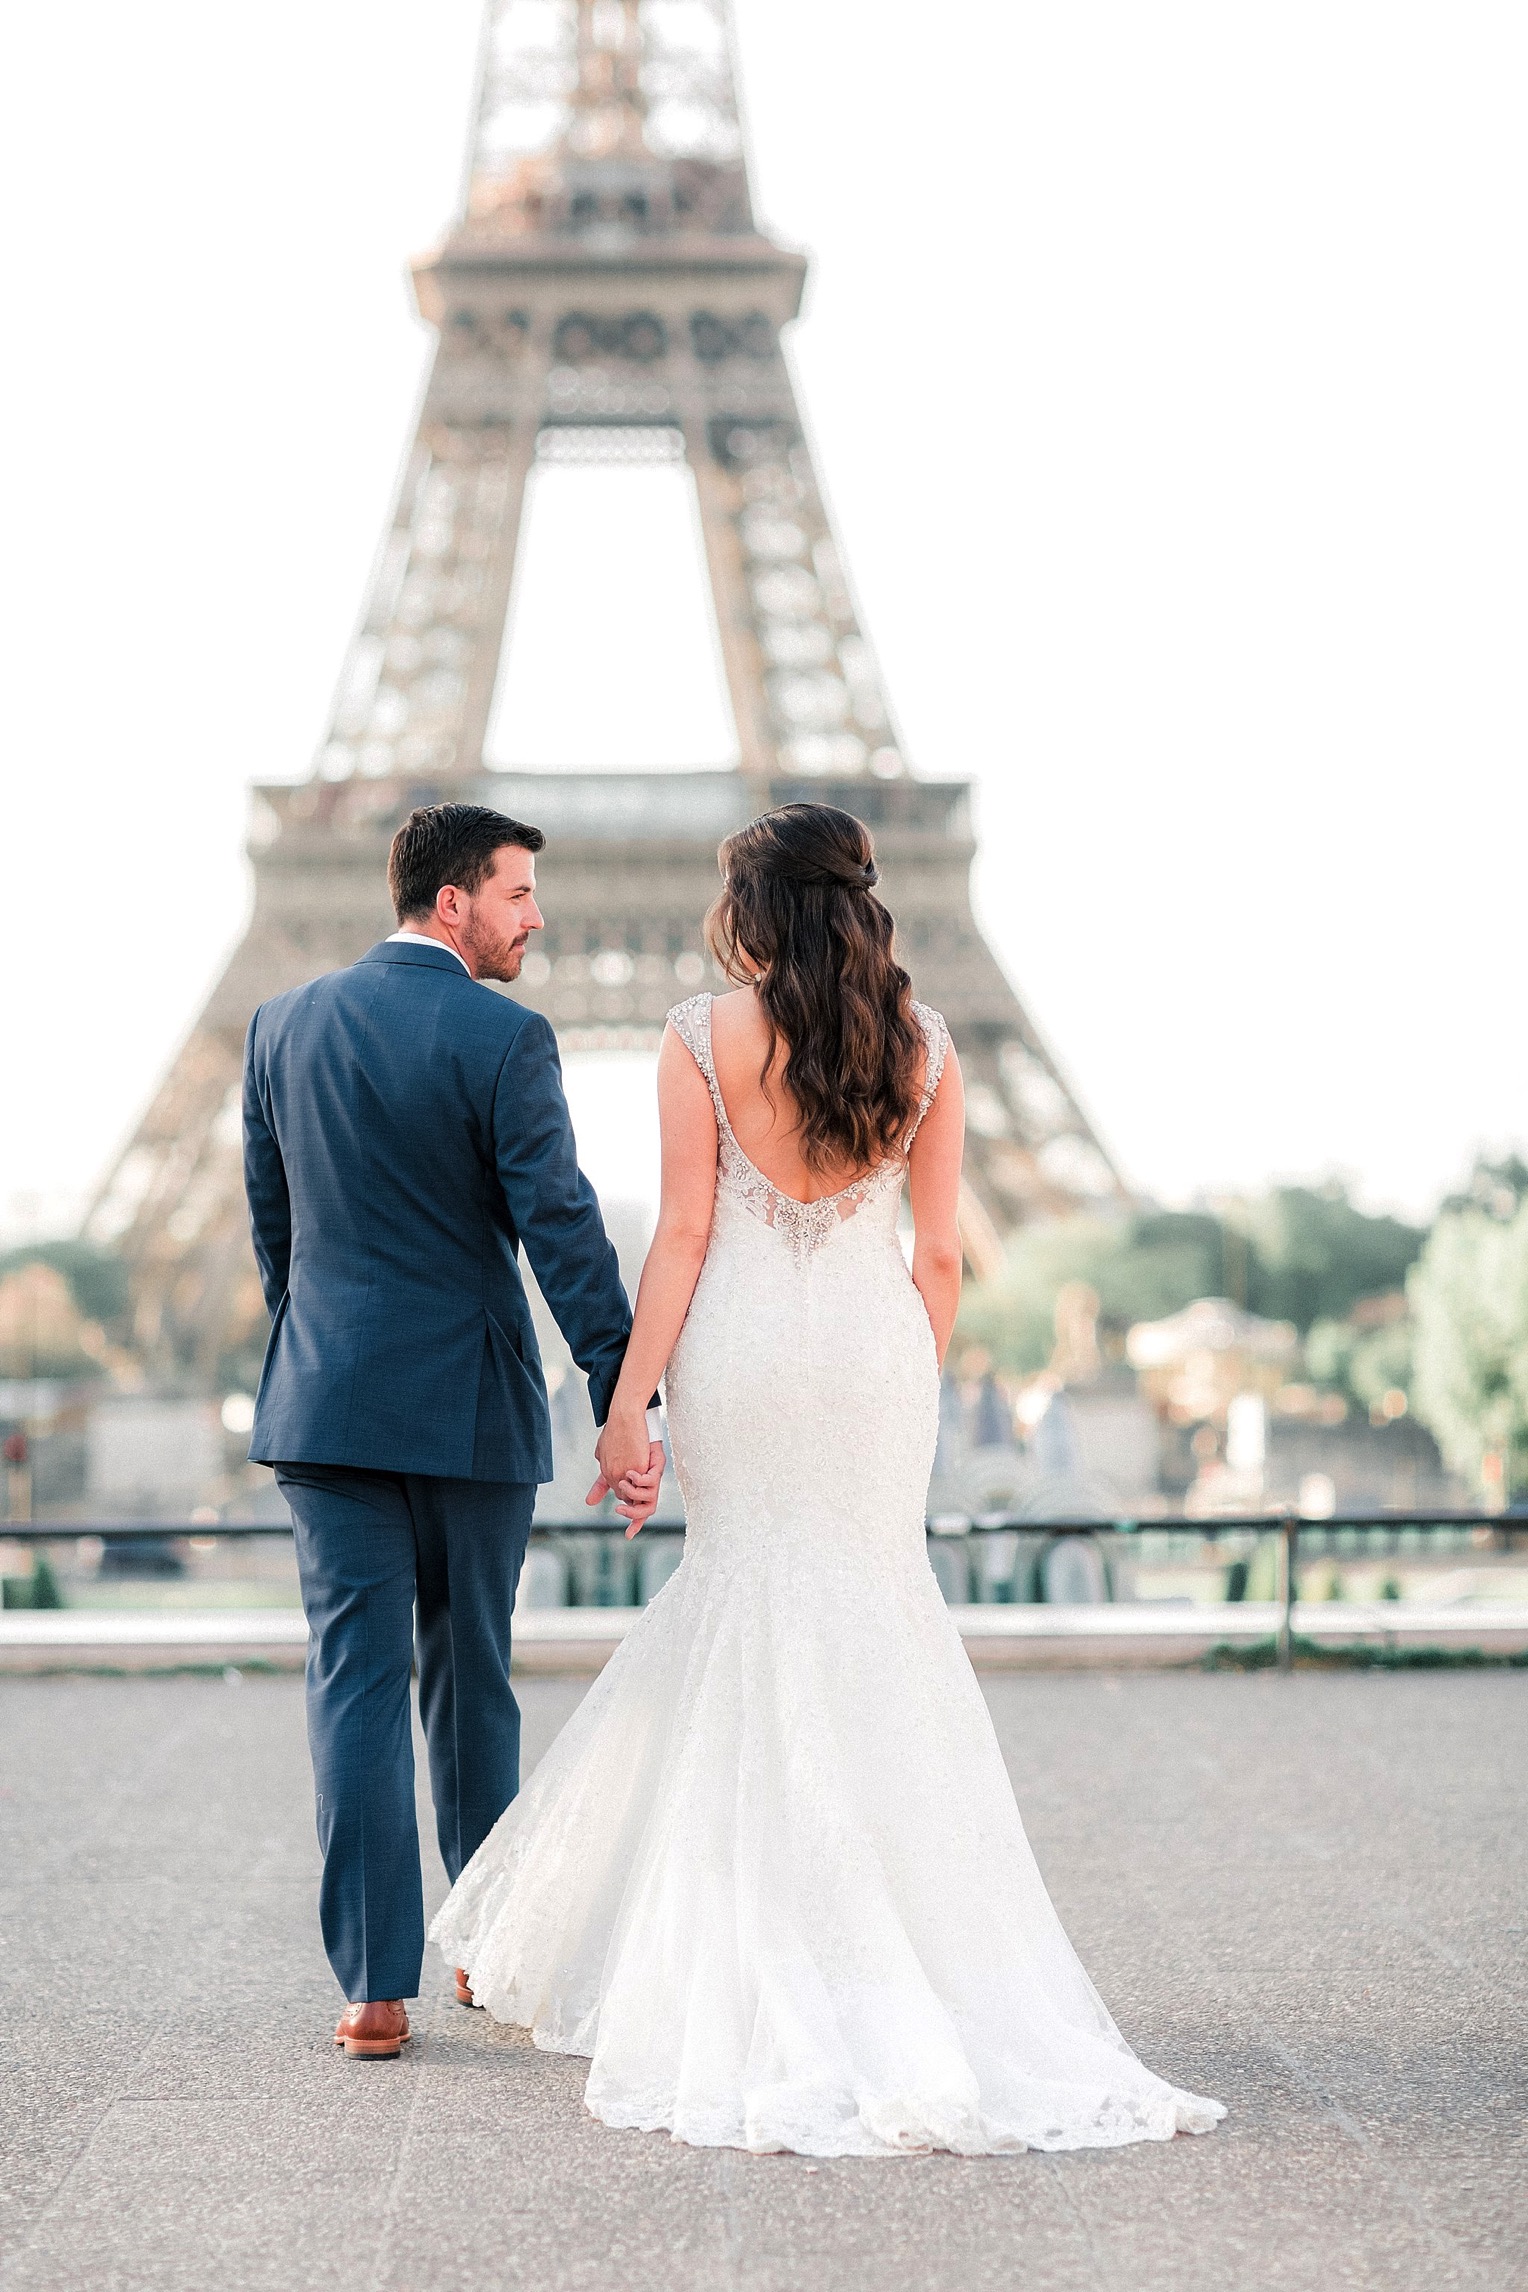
[(604, 293)]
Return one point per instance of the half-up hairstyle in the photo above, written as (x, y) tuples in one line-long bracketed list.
[(798, 907)]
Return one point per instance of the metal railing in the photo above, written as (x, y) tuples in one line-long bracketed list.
[(1505, 1532)]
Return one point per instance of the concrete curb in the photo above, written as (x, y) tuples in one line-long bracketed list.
[(580, 1641)]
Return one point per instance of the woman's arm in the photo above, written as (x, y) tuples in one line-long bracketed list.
[(933, 1185), (688, 1124)]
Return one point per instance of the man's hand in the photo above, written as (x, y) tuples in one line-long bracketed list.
[(636, 1492), (631, 1465), (622, 1444)]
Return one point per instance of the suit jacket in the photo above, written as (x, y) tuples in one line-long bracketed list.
[(405, 1131)]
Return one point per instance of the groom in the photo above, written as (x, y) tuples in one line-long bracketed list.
[(405, 1133)]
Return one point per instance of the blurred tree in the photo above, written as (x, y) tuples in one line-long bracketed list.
[(97, 1280), (1469, 1300), (1366, 1364), (1140, 1269), (1296, 1254), (1497, 1187), (42, 1330), (1012, 1317), (1313, 1255), (1168, 1258)]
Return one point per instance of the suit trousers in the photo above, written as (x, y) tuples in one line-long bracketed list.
[(389, 1561)]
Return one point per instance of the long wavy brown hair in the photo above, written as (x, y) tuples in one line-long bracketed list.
[(799, 919)]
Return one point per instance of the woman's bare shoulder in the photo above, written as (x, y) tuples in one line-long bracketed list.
[(738, 1024), (738, 1003)]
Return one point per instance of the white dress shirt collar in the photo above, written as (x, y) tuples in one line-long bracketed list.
[(423, 939)]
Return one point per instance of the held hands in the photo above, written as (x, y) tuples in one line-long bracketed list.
[(631, 1465), (636, 1493)]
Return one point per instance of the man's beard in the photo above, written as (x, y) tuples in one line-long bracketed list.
[(493, 955)]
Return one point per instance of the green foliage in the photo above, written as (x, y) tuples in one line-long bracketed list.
[(1297, 1255), (45, 1586), (1141, 1269), (1165, 1261), (39, 1590), (1361, 1364), (97, 1279), (1313, 1255), (1469, 1299), (1495, 1187), (1362, 1655), (1011, 1316)]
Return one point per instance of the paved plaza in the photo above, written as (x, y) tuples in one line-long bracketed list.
[(1308, 1896)]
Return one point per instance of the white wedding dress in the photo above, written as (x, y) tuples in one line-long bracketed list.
[(771, 1878)]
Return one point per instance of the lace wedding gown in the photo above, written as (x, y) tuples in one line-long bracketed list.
[(771, 1878)]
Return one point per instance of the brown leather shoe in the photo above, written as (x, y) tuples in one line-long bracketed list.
[(464, 1996), (379, 2029)]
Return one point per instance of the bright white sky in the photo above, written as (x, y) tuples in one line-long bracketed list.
[(1168, 370)]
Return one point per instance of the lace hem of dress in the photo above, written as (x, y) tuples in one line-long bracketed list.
[(824, 2123), (805, 1226), (889, 2126)]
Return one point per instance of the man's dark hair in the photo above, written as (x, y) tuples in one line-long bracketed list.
[(449, 843)]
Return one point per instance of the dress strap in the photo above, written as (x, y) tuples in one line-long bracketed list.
[(691, 1022), (937, 1036)]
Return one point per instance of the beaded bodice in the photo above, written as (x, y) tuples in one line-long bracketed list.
[(804, 1226)]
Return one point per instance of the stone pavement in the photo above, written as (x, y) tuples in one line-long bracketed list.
[(1306, 1895)]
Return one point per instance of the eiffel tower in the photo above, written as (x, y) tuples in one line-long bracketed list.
[(606, 294)]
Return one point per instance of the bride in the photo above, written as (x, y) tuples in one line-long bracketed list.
[(771, 1879)]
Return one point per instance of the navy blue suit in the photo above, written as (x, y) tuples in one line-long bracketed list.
[(405, 1133)]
